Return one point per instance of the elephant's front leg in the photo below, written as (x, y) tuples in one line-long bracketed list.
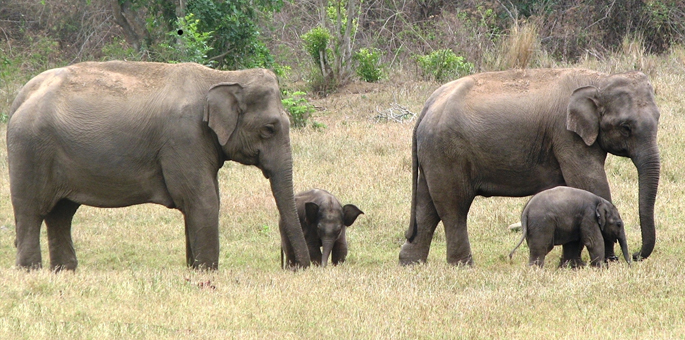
[(201, 215), (314, 246), (339, 252), (202, 238), (609, 254), (587, 173), (196, 194)]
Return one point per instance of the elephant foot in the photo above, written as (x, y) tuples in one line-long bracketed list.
[(572, 263), (612, 258), (62, 267), (409, 255), (467, 261)]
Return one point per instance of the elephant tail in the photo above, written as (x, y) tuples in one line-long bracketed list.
[(524, 230), (413, 226)]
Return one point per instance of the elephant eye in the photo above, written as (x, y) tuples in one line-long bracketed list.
[(625, 129), (268, 131)]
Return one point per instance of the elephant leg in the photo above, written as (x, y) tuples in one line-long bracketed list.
[(457, 237), (597, 255), (196, 194), (28, 239), (452, 202), (427, 219), (202, 237), (609, 254), (339, 252), (314, 253), (571, 255), (287, 251), (540, 245), (536, 258), (190, 258), (58, 223), (589, 176)]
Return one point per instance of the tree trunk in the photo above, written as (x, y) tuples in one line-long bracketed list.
[(134, 29)]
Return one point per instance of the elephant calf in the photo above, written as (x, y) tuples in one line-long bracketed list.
[(324, 222), (573, 218)]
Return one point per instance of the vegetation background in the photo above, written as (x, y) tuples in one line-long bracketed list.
[(353, 140)]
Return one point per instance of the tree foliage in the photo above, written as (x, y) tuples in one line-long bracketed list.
[(235, 40)]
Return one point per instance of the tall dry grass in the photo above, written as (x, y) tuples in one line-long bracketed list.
[(132, 282), (519, 47)]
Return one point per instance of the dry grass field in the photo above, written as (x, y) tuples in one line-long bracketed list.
[(132, 282)]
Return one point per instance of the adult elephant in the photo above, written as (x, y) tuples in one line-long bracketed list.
[(518, 132), (116, 134)]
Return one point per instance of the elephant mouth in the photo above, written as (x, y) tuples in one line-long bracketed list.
[(267, 174)]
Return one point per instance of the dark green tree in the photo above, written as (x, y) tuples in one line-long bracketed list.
[(235, 41)]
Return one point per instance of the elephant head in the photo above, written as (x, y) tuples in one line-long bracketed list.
[(252, 128), (612, 227), (620, 114), (330, 222)]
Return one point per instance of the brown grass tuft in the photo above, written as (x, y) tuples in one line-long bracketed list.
[(520, 46)]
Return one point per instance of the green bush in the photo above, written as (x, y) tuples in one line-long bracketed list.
[(190, 44), (443, 64), (321, 80), (298, 107), (316, 44), (236, 38), (369, 67), (119, 49)]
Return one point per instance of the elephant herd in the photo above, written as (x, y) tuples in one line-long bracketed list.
[(116, 134)]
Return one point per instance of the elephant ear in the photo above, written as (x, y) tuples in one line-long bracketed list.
[(582, 116), (601, 212), (224, 105), (311, 212), (350, 213)]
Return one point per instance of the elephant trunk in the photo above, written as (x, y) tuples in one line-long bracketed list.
[(624, 246), (648, 167), (291, 231), (327, 246)]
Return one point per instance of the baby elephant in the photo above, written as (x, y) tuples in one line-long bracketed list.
[(324, 220), (573, 218)]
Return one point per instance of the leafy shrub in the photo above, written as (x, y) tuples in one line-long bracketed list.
[(191, 45), (443, 64), (236, 39), (118, 49), (298, 107), (316, 44), (369, 68)]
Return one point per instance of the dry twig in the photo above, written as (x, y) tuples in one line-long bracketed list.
[(396, 113)]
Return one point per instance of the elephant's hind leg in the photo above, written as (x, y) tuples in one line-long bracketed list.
[(58, 222), (427, 219), (453, 196), (571, 255)]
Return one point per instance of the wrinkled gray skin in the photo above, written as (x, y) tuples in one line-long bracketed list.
[(324, 222), (518, 132), (116, 134), (564, 215)]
